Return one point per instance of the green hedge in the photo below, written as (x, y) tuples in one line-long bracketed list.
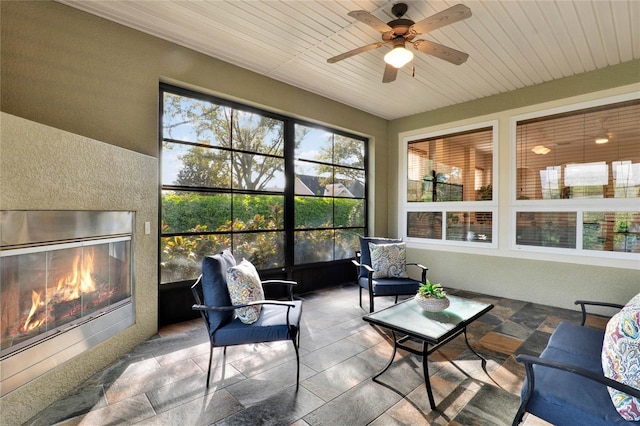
[(182, 212)]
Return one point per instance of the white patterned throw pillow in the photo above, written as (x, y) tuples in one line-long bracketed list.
[(245, 286), (621, 358), (389, 260)]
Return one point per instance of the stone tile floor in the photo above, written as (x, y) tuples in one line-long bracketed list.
[(162, 381)]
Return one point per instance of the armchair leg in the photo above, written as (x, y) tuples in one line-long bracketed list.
[(519, 415), (209, 370), (295, 346)]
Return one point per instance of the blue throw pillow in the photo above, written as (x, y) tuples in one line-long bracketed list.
[(214, 287)]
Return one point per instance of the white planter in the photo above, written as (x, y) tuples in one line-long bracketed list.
[(431, 304)]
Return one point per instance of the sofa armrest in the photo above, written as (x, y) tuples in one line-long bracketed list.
[(529, 361), (584, 303)]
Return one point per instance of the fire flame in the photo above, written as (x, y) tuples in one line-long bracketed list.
[(35, 302), (79, 280), (71, 286)]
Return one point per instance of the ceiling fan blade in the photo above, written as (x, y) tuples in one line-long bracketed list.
[(372, 21), (357, 51), (439, 51), (448, 16), (390, 73)]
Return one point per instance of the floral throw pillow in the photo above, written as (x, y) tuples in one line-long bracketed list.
[(245, 286), (389, 260), (621, 359)]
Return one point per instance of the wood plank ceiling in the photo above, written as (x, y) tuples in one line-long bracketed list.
[(511, 44)]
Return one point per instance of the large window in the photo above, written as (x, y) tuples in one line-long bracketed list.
[(449, 186), (224, 174), (578, 179)]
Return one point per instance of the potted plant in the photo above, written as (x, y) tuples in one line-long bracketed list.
[(432, 297)]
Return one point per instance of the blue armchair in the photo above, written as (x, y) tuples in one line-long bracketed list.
[(377, 287), (278, 320)]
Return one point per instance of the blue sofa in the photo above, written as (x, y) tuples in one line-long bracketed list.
[(566, 385)]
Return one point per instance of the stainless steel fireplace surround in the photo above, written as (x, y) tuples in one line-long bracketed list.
[(66, 284)]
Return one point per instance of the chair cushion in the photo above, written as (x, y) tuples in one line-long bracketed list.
[(244, 286), (621, 358), (214, 287), (389, 260), (271, 326), (575, 339), (365, 255), (390, 286)]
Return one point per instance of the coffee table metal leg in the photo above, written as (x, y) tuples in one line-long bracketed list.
[(393, 355), (484, 361), (425, 371)]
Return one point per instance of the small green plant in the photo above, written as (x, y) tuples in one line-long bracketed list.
[(432, 290)]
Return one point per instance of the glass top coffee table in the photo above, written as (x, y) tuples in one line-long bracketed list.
[(408, 320)]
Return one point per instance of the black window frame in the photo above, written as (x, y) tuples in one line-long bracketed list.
[(289, 228)]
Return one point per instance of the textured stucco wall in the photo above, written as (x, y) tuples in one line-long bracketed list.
[(43, 168)]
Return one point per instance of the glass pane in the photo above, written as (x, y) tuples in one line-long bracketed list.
[(257, 212), (589, 153), (455, 167), (469, 226), (258, 172), (348, 152), (546, 229), (264, 249), (181, 257), (312, 179), (348, 242), (313, 246), (424, 225), (313, 144), (188, 165), (193, 120), (256, 133), (348, 212), (313, 212), (195, 212), (347, 183), (611, 231)]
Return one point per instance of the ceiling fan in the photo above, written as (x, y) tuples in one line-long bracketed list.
[(402, 31)]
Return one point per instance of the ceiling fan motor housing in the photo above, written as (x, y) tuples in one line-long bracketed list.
[(400, 28)]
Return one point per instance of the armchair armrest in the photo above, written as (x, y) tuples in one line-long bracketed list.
[(529, 361), (584, 303), (232, 307), (424, 270), (288, 283), (284, 282)]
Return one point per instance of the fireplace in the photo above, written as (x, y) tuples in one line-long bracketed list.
[(66, 283)]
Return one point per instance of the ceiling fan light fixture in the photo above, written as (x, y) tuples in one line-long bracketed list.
[(399, 56), (540, 150), (602, 137)]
